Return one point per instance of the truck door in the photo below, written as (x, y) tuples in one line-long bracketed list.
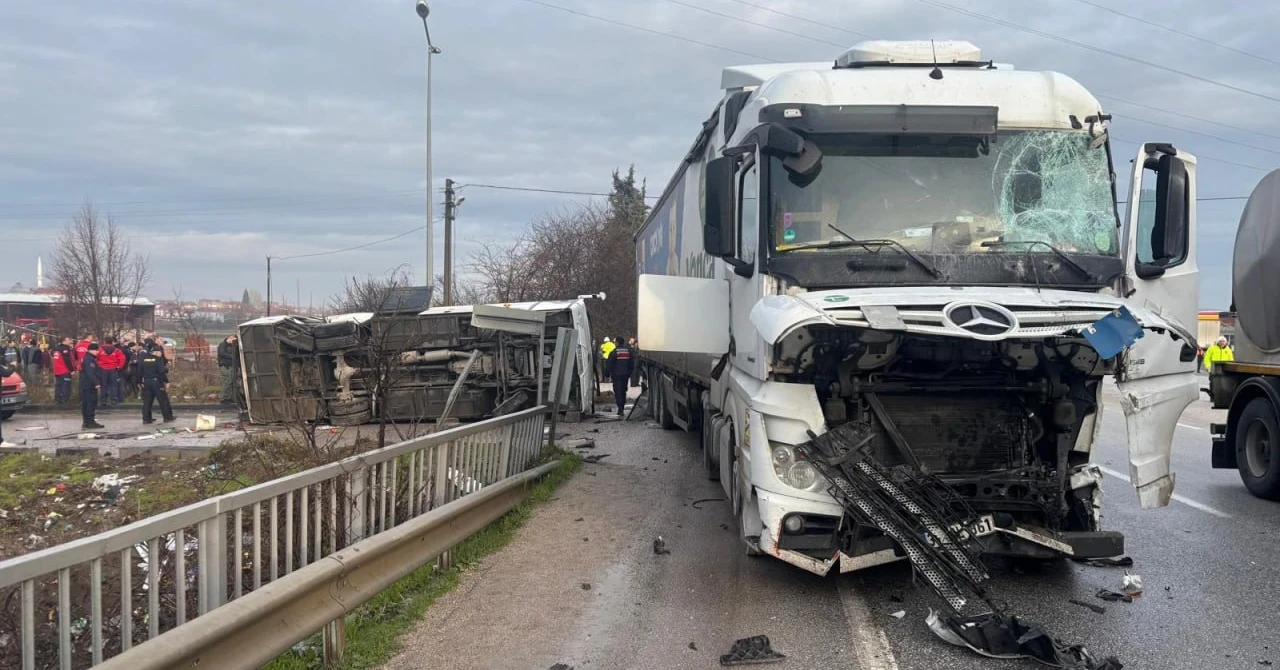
[(1157, 375), (745, 291)]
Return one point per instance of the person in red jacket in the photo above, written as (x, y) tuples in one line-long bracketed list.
[(62, 358), (111, 359), (82, 348)]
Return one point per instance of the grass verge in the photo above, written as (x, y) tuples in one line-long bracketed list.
[(374, 630)]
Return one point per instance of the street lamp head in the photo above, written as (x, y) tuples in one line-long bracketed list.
[(423, 9)]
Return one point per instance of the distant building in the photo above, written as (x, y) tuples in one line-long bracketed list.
[(40, 309)]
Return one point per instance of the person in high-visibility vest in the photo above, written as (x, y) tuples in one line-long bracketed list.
[(1220, 352), (606, 348)]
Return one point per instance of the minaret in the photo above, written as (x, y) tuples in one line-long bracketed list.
[(39, 272)]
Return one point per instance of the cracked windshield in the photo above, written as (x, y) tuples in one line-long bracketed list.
[(951, 195)]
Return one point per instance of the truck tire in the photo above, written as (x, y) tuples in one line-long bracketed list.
[(5, 415), (356, 419), (340, 408), (1258, 449), (709, 461)]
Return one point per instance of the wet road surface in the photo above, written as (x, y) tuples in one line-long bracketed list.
[(582, 586)]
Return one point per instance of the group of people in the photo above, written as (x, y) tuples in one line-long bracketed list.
[(107, 371), (617, 364)]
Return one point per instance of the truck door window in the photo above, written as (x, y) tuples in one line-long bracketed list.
[(749, 214), (1146, 217)]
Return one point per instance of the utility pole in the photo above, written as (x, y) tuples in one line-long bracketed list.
[(423, 11), (269, 286), (449, 213)]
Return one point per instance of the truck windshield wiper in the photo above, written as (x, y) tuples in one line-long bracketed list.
[(880, 243), (1061, 254)]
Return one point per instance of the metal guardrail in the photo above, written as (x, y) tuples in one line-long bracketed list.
[(223, 548)]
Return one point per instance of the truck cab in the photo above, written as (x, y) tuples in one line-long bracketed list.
[(926, 243)]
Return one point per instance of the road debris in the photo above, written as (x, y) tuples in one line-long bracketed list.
[(750, 651), (1132, 584), (586, 586), (206, 422), (593, 458), (1096, 608), (1117, 562), (561, 666), (1111, 596), (937, 537), (695, 503), (899, 614), (660, 546), (998, 636), (693, 646)]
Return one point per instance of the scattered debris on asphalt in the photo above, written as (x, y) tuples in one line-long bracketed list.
[(751, 650), (593, 458), (1168, 592), (1117, 562), (586, 586), (578, 519), (695, 503), (693, 646), (1096, 608), (1113, 597), (899, 614), (561, 666), (998, 636), (1132, 584), (660, 546)]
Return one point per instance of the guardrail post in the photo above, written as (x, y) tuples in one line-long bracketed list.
[(504, 460), (443, 453), (335, 641), (357, 484), (212, 555)]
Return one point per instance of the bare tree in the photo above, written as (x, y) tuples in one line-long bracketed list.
[(190, 328), (370, 293), (98, 273)]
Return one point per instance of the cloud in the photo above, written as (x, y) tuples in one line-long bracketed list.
[(219, 133)]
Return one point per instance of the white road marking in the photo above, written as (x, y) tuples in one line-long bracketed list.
[(1182, 499), (869, 641), (1187, 425)]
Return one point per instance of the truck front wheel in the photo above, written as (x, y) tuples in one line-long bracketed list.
[(1257, 449)]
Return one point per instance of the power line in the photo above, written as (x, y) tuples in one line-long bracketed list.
[(648, 30), (1175, 31), (830, 26), (530, 189), (353, 248), (1205, 157), (753, 23), (1201, 134), (1187, 116), (1098, 49)]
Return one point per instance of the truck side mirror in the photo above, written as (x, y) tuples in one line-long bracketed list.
[(717, 216), (1170, 230), (1170, 236)]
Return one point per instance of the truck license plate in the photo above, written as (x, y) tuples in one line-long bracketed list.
[(8, 400), (983, 526)]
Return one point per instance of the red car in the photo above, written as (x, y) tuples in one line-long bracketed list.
[(13, 394)]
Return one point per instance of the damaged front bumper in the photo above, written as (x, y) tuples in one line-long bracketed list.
[(824, 541)]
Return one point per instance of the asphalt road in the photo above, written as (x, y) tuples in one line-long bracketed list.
[(582, 586)]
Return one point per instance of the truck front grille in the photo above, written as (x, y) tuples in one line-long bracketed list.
[(957, 434)]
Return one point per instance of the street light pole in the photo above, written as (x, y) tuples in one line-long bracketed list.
[(423, 10)]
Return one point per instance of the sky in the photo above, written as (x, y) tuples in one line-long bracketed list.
[(218, 133)]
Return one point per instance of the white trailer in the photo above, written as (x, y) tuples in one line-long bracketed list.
[(921, 243)]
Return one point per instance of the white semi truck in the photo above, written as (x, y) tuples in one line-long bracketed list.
[(922, 241)]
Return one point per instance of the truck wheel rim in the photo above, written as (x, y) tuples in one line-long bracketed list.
[(1258, 448)]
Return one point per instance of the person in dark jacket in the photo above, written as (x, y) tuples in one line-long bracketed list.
[(620, 366), (90, 384), (155, 384), (63, 360), (229, 366)]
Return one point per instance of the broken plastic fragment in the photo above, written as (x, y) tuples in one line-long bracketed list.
[(899, 614), (997, 636), (751, 650), (1113, 333)]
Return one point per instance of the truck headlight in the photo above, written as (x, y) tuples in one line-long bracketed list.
[(793, 471)]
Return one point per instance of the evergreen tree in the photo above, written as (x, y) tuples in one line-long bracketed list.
[(627, 208)]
